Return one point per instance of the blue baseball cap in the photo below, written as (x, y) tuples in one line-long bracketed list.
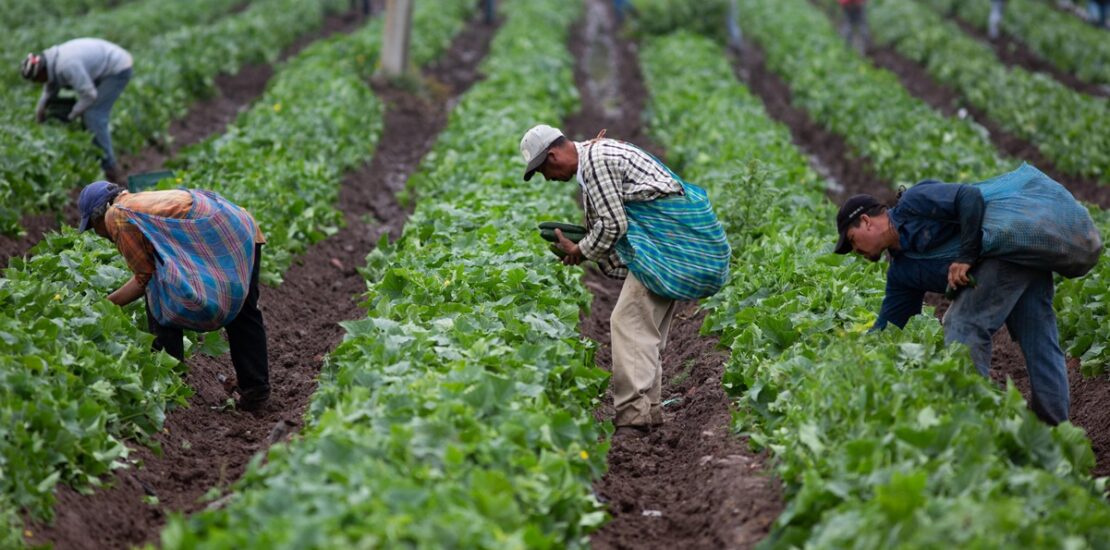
[(93, 196)]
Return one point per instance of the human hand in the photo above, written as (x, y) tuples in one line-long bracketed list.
[(957, 274), (574, 254), (40, 115)]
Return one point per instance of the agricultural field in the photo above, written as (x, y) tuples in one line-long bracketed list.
[(439, 379)]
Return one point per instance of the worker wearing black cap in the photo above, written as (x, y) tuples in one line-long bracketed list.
[(934, 237)]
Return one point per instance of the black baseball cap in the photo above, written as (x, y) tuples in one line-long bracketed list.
[(853, 208)]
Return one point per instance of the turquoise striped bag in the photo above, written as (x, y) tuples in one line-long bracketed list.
[(675, 245)]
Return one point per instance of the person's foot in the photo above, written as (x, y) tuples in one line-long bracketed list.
[(252, 399)]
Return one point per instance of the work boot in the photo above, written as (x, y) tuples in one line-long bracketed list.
[(115, 175), (252, 399)]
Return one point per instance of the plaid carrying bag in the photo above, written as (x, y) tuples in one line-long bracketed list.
[(204, 263), (675, 245)]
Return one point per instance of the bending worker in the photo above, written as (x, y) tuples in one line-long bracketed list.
[(648, 226), (98, 71), (935, 238), (196, 257)]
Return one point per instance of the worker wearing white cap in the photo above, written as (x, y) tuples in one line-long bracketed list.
[(645, 225)]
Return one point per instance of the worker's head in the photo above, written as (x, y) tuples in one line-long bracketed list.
[(33, 68), (547, 151), (93, 204), (864, 227)]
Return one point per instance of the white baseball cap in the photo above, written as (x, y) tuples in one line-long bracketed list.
[(534, 146)]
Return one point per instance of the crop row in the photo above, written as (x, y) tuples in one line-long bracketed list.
[(905, 140), (883, 440), (60, 337), (1061, 38), (40, 164), (1070, 128), (20, 13), (458, 414)]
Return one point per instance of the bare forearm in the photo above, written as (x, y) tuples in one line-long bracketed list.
[(129, 292)]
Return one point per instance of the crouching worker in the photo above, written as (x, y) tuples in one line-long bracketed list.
[(646, 225), (997, 243), (98, 71), (196, 258)]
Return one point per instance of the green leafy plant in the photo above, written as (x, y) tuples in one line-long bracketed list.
[(458, 414), (77, 376)]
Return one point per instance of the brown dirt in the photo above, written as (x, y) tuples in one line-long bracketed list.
[(234, 94), (947, 101), (1090, 396), (692, 483), (206, 447), (828, 151), (1013, 53)]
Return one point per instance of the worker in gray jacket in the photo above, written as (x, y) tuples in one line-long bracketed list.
[(98, 71)]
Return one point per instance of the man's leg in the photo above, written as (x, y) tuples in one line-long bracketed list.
[(856, 27), (977, 313), (246, 335), (665, 317), (636, 340), (995, 19), (168, 339), (98, 114), (1032, 324)]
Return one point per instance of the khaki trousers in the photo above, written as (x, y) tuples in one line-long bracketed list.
[(639, 326)]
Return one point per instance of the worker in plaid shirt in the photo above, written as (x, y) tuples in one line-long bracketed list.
[(618, 181)]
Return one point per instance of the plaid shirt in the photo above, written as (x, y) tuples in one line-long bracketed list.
[(135, 248), (611, 173)]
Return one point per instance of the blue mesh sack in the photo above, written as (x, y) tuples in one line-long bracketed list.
[(1032, 220)]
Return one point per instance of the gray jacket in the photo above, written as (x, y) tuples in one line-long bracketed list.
[(79, 65)]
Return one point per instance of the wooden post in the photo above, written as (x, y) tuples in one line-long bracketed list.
[(398, 30)]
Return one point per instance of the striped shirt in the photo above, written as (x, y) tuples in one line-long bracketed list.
[(613, 172), (135, 248)]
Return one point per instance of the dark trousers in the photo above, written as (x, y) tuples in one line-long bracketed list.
[(367, 9), (246, 334)]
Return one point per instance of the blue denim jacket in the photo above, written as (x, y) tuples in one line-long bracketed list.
[(930, 214), (930, 218)]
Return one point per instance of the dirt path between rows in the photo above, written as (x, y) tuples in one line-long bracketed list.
[(206, 447), (692, 483), (234, 94), (1090, 397)]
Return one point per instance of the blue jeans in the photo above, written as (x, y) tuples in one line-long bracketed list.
[(1020, 297), (620, 6), (1097, 11), (96, 116)]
